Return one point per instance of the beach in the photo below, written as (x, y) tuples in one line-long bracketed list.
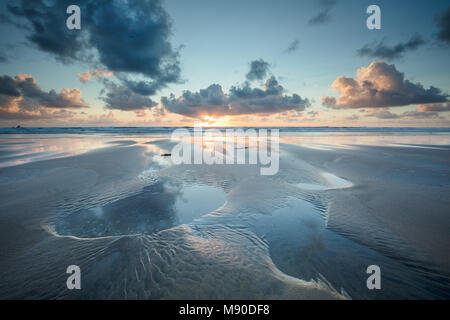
[(140, 227)]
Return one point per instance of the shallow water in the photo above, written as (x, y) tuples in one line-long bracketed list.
[(302, 246), (160, 206)]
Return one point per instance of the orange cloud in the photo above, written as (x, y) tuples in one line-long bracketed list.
[(380, 85)]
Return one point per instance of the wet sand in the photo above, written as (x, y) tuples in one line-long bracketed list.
[(142, 228)]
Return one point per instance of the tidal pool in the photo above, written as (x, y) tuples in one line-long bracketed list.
[(302, 246), (161, 205)]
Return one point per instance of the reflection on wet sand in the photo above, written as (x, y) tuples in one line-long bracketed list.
[(161, 205), (25, 148), (345, 140)]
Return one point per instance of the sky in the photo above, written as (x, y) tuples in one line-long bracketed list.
[(225, 63)]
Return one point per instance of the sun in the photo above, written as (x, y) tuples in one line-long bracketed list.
[(209, 120)]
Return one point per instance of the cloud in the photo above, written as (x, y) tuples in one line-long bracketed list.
[(383, 51), (323, 16), (8, 86), (443, 23), (424, 111), (239, 100), (130, 37), (40, 115), (380, 85), (22, 99), (32, 94), (435, 107), (329, 102), (420, 115), (94, 73), (3, 58), (258, 70), (382, 114), (46, 29), (352, 117), (292, 47), (146, 88), (122, 98)]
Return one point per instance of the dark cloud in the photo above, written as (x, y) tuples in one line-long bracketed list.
[(22, 98), (323, 16), (8, 86), (133, 36), (380, 85), (210, 101), (3, 58), (6, 19), (443, 23), (383, 51), (258, 70), (293, 46), (238, 101), (122, 98), (146, 88), (129, 36), (46, 28)]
